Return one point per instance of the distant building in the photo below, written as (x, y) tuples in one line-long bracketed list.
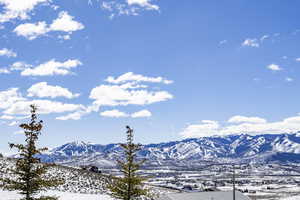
[(204, 196)]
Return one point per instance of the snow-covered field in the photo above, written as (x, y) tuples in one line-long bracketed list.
[(6, 195), (292, 198)]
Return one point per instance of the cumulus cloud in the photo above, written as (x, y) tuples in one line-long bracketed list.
[(130, 76), (7, 117), (51, 68), (143, 3), (132, 85), (19, 66), (44, 106), (242, 119), (114, 95), (16, 9), (274, 67), (142, 113), (205, 128), (124, 92), (71, 116), (128, 7), (251, 43), (4, 71), (10, 97), (14, 106), (7, 52), (209, 128), (113, 113), (64, 23), (31, 30), (79, 113), (11, 117), (42, 89)]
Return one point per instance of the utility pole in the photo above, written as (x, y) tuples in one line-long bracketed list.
[(233, 181)]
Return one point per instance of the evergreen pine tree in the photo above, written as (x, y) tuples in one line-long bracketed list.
[(29, 172), (130, 185)]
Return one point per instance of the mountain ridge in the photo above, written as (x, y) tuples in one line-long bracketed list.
[(247, 148)]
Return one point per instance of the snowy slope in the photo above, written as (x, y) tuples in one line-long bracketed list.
[(76, 181), (6, 195)]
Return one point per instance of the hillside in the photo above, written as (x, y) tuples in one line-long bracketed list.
[(76, 181)]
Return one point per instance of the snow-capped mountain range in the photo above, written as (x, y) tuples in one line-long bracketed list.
[(283, 148)]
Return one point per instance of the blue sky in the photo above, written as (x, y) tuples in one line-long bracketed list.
[(169, 69)]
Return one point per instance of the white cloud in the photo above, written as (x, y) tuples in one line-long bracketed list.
[(42, 89), (19, 66), (205, 128), (298, 59), (129, 93), (251, 43), (128, 7), (4, 71), (16, 9), (113, 114), (274, 67), (64, 23), (78, 114), (51, 68), (132, 85), (143, 3), (10, 97), (113, 95), (44, 106), (31, 31), (142, 113), (15, 106), (11, 117), (126, 90), (209, 128), (7, 117), (289, 79), (7, 52), (242, 119), (130, 76), (71, 116)]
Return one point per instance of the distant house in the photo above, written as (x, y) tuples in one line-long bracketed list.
[(204, 196)]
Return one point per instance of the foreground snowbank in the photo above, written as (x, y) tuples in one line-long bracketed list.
[(6, 195)]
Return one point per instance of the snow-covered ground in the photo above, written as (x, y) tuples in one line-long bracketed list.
[(6, 195), (291, 198)]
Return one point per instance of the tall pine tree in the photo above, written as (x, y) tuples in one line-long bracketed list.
[(29, 172), (130, 185)]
